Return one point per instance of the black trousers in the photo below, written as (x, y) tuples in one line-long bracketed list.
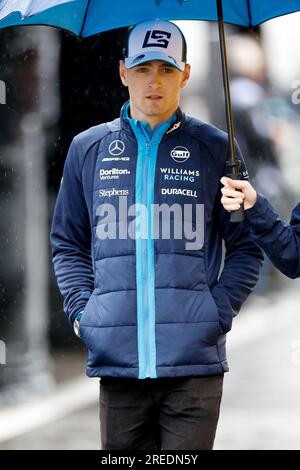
[(157, 414)]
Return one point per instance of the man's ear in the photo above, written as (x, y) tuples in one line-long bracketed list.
[(123, 72), (186, 75)]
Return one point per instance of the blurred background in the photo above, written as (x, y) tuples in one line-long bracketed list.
[(54, 86)]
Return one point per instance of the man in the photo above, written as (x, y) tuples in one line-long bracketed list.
[(280, 241), (149, 306)]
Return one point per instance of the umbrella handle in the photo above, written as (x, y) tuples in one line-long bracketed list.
[(238, 215), (232, 171)]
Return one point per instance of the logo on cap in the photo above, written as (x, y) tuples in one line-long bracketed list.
[(138, 58), (160, 38)]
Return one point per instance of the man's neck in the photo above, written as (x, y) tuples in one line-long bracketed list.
[(151, 120)]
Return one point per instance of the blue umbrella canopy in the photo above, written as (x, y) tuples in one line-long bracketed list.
[(88, 17)]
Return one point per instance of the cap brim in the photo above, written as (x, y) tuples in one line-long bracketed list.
[(138, 59)]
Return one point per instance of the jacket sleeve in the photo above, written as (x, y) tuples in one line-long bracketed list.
[(70, 237), (281, 242), (242, 264)]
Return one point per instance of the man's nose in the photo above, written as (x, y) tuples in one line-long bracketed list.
[(154, 80)]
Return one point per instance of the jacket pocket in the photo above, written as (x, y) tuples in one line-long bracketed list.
[(85, 320), (224, 308)]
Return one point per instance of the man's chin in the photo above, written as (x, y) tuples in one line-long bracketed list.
[(154, 109)]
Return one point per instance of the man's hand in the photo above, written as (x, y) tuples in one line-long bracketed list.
[(233, 199)]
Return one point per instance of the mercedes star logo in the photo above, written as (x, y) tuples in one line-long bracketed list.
[(116, 147)]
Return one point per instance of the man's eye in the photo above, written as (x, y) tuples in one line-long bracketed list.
[(142, 69), (167, 70)]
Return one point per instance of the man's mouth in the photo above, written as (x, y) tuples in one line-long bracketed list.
[(154, 97)]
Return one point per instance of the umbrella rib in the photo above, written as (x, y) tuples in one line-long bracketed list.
[(249, 13), (85, 15)]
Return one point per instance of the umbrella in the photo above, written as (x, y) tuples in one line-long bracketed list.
[(88, 17)]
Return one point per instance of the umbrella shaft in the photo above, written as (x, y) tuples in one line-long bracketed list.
[(226, 87)]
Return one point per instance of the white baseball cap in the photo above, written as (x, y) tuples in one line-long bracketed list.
[(155, 40)]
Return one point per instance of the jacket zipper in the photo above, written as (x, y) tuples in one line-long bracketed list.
[(146, 261), (146, 265), (145, 251)]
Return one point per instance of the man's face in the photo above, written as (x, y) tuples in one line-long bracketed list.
[(154, 88)]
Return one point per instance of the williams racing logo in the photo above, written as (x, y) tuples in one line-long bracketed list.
[(180, 154), (180, 174)]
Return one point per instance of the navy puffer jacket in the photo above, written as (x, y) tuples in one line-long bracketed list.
[(153, 306)]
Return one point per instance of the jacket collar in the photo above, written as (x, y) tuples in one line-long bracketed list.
[(174, 127)]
